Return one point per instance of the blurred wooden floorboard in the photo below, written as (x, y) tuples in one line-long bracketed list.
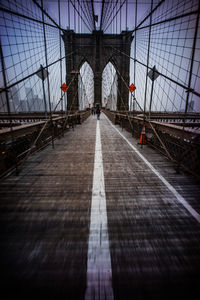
[(154, 241), (45, 217), (44, 223)]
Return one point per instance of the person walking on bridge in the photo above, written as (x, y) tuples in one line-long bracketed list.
[(98, 112)]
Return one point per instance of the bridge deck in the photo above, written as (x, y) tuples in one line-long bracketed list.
[(154, 239)]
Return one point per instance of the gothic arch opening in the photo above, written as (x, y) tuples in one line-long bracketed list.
[(109, 87), (85, 87)]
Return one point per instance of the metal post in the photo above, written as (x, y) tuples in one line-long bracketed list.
[(5, 83), (65, 102), (151, 92), (44, 95), (8, 105)]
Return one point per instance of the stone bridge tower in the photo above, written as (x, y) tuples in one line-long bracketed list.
[(97, 49)]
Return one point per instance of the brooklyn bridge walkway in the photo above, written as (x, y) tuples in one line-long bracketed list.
[(99, 217)]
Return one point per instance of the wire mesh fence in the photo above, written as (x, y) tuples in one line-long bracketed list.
[(169, 40), (25, 32)]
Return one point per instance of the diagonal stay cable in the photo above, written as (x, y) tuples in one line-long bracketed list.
[(94, 24), (161, 74), (34, 73), (108, 9), (151, 12), (83, 10), (11, 12), (40, 133), (90, 29), (89, 6), (102, 14), (44, 11), (109, 16), (115, 15), (88, 10), (160, 140)]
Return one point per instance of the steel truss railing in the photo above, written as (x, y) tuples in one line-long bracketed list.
[(182, 145), (32, 135)]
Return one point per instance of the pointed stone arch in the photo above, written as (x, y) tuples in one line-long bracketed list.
[(109, 86), (86, 85), (97, 49)]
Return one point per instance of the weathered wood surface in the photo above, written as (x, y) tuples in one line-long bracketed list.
[(154, 241), (45, 217), (44, 222)]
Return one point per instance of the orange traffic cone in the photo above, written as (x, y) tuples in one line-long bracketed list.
[(143, 136)]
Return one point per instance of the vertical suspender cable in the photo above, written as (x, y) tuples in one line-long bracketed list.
[(5, 83), (78, 22), (102, 13), (48, 84), (74, 18), (148, 51), (135, 44), (93, 14), (126, 13), (116, 20), (60, 55), (81, 23), (113, 26), (120, 18), (192, 59), (69, 13), (113, 15), (89, 10)]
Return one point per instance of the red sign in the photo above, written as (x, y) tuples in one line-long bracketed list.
[(64, 87), (132, 88)]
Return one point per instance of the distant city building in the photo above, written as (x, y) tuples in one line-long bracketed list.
[(15, 96), (191, 106), (14, 99), (23, 105), (33, 101), (3, 105)]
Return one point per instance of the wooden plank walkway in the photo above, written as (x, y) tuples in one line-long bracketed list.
[(45, 221)]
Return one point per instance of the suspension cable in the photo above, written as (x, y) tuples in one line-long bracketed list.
[(94, 24), (102, 14), (80, 16), (45, 13), (89, 13), (115, 14), (110, 15), (83, 10), (159, 73), (108, 9), (152, 11), (34, 73), (158, 137)]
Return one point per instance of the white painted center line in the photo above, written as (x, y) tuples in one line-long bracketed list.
[(99, 271), (180, 199)]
